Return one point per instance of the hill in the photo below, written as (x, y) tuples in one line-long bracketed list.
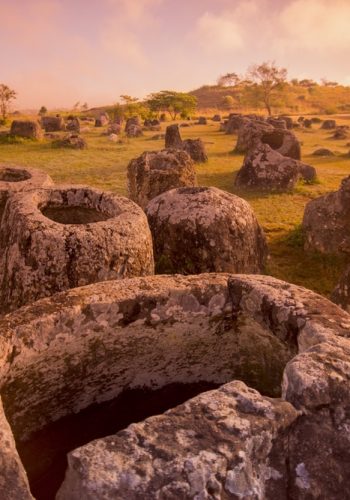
[(293, 99)]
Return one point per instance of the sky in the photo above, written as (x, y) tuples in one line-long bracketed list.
[(57, 52)]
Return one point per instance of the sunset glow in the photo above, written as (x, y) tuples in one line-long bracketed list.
[(57, 52)]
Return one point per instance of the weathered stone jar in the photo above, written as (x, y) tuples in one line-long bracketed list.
[(202, 229), (65, 237), (66, 352), (155, 172), (16, 179)]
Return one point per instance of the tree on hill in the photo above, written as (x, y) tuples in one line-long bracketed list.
[(228, 102), (229, 80), (42, 111), (6, 96), (174, 103), (132, 106), (268, 79)]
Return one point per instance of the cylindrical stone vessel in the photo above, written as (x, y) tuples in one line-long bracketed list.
[(16, 179), (65, 237), (155, 172), (204, 229)]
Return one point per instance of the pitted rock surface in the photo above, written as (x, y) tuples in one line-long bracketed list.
[(15, 179), (326, 222), (29, 129), (205, 230), (266, 169), (155, 172), (65, 237), (84, 345), (216, 446)]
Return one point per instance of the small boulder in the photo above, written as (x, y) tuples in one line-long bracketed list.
[(340, 134), (323, 152), (232, 125), (202, 120), (329, 124), (172, 137), (114, 128), (216, 118), (307, 123), (196, 149), (73, 125), (133, 127), (72, 141)]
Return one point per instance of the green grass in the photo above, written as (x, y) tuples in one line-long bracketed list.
[(104, 163)]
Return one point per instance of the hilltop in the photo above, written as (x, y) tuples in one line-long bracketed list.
[(293, 99)]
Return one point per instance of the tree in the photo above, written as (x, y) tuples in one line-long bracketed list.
[(172, 102), (228, 102), (42, 111), (6, 96), (85, 106), (229, 80), (132, 106), (268, 79)]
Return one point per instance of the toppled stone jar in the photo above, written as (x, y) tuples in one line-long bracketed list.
[(14, 179), (65, 237), (155, 172), (87, 345), (205, 230), (266, 169)]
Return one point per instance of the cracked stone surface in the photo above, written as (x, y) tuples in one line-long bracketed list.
[(326, 222), (86, 345), (155, 172), (266, 169), (64, 237), (205, 230), (215, 446)]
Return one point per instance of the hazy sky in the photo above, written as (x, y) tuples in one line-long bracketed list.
[(57, 52)]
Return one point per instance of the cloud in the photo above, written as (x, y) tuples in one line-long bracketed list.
[(316, 25), (226, 30), (216, 33), (120, 33)]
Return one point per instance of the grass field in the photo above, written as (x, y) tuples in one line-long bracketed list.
[(104, 163)]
